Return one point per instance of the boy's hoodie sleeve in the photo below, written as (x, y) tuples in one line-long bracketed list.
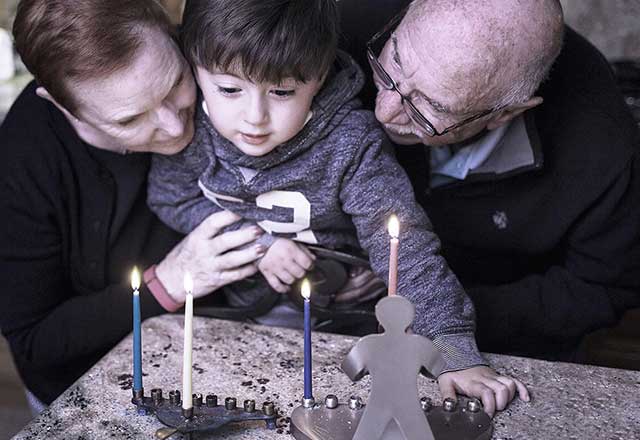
[(374, 187), (175, 196), (173, 191)]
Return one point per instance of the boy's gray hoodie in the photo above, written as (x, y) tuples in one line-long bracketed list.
[(335, 183)]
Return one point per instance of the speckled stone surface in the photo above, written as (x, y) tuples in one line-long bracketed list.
[(265, 363)]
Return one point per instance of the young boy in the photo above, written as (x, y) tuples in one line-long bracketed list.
[(282, 141)]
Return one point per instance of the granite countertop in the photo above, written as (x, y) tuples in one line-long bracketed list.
[(265, 363)]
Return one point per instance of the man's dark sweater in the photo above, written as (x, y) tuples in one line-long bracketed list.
[(548, 251), (568, 260), (74, 223)]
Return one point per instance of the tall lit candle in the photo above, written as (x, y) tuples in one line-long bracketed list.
[(394, 243), (187, 401), (137, 332), (305, 291)]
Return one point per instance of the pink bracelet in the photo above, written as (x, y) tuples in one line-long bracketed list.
[(159, 292)]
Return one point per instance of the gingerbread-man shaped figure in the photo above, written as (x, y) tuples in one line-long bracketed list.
[(394, 360)]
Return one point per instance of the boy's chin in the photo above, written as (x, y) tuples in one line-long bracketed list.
[(254, 150)]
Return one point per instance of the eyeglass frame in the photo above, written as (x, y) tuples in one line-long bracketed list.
[(390, 84)]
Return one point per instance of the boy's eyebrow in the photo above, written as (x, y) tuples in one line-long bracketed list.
[(437, 106), (286, 82), (228, 74)]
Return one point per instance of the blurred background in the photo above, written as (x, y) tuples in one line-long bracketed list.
[(611, 25)]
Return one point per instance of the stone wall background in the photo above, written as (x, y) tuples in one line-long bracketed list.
[(7, 10), (613, 26)]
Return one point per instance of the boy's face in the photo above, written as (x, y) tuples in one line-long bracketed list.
[(256, 117)]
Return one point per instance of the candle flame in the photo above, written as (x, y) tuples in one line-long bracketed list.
[(135, 278), (305, 289), (188, 283), (394, 226)]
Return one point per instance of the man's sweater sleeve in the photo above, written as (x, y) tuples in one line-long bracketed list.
[(373, 188), (597, 279), (173, 191)]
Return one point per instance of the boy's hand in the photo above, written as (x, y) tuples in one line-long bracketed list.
[(493, 390), (284, 263)]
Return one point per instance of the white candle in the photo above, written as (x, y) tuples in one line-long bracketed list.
[(187, 401), (394, 243)]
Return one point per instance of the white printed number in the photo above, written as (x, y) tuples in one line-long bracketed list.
[(301, 215)]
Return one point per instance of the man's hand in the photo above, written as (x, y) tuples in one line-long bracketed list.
[(493, 390), (285, 262)]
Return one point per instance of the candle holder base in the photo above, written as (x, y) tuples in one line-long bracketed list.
[(203, 416), (324, 421)]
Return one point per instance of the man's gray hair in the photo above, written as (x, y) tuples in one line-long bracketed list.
[(532, 74), (516, 41)]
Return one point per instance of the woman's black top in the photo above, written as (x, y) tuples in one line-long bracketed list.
[(74, 223)]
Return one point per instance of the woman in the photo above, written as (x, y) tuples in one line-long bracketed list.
[(111, 87)]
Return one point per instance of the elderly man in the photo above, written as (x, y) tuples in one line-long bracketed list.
[(533, 185)]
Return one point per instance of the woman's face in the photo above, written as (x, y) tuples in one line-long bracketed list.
[(147, 107)]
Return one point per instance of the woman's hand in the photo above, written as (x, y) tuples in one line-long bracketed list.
[(212, 260), (495, 391)]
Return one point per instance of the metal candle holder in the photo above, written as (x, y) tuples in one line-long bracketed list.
[(394, 410), (333, 420), (205, 415)]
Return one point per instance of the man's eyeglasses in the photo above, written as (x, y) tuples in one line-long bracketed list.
[(389, 84)]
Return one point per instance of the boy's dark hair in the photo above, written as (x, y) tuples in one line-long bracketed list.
[(264, 40)]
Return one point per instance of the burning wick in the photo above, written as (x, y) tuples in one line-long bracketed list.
[(137, 332), (394, 244)]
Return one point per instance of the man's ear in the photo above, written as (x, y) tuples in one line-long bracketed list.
[(44, 94), (512, 111)]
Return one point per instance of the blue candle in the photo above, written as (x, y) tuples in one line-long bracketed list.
[(137, 337), (306, 293)]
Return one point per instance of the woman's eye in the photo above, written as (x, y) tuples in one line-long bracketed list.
[(228, 90), (283, 93), (180, 79), (128, 122)]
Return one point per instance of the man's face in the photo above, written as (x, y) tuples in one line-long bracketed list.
[(256, 117), (424, 72), (147, 107)]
